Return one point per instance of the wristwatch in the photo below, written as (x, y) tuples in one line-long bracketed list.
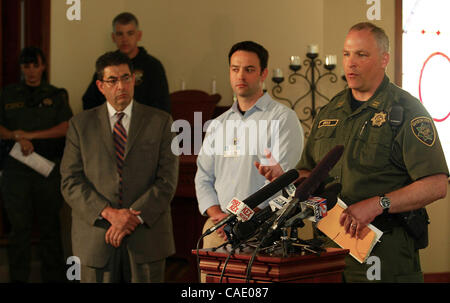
[(385, 203)]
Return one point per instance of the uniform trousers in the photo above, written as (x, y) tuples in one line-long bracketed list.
[(28, 196), (399, 261)]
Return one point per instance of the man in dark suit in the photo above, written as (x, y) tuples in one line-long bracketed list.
[(119, 176)]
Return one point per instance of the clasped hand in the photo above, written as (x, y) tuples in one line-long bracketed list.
[(123, 222), (23, 138)]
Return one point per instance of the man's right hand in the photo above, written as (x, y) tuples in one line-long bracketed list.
[(217, 215), (26, 147), (123, 222), (271, 170)]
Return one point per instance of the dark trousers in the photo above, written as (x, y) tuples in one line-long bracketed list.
[(28, 195)]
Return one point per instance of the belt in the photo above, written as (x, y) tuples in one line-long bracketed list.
[(386, 222)]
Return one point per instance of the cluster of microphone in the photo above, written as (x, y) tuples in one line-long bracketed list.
[(287, 210)]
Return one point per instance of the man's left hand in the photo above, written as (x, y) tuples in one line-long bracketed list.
[(358, 215), (115, 235), (271, 169)]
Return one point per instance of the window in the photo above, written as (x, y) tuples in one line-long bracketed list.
[(425, 60)]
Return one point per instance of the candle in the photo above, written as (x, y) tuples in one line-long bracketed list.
[(330, 60), (278, 73), (213, 86), (312, 49), (295, 60)]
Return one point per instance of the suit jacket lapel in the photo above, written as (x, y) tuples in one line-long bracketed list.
[(106, 131), (136, 123)]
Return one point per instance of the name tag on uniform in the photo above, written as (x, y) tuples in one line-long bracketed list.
[(328, 122), (14, 105)]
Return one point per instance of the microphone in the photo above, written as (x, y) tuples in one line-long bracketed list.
[(314, 208), (259, 196), (279, 202), (319, 173), (240, 210), (309, 185), (245, 229)]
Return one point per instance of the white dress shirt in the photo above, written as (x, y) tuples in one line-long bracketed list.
[(126, 118)]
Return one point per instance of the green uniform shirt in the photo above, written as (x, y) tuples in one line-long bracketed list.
[(376, 160), (44, 107)]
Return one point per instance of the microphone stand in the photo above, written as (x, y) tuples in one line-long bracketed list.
[(226, 263), (285, 242)]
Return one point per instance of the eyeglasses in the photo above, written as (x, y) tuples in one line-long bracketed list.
[(114, 81)]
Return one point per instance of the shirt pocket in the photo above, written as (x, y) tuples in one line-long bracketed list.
[(324, 141), (372, 146)]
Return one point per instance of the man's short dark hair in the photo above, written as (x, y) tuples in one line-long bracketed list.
[(250, 46), (124, 18), (111, 59), (30, 55)]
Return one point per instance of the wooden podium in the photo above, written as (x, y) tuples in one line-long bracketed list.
[(308, 268)]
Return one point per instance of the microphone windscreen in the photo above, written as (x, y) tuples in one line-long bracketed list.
[(244, 230), (319, 173), (331, 194), (271, 189)]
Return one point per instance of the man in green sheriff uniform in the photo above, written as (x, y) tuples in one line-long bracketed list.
[(392, 163), (33, 114)]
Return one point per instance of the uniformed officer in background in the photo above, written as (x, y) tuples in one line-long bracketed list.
[(151, 86), (35, 115), (392, 166)]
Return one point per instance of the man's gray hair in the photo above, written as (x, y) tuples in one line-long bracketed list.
[(378, 33)]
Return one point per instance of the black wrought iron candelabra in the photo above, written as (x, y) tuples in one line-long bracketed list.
[(312, 76)]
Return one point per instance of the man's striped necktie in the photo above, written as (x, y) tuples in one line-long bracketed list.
[(120, 142)]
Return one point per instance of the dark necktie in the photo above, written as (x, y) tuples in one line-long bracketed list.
[(120, 142)]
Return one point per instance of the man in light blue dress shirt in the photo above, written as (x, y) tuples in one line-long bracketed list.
[(254, 127)]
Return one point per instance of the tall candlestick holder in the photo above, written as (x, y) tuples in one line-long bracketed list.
[(312, 76)]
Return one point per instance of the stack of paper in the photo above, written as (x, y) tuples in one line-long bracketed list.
[(359, 248)]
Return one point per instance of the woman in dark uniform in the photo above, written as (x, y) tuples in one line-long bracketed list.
[(33, 114)]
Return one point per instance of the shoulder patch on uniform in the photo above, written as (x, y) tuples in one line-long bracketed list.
[(328, 122), (423, 129)]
